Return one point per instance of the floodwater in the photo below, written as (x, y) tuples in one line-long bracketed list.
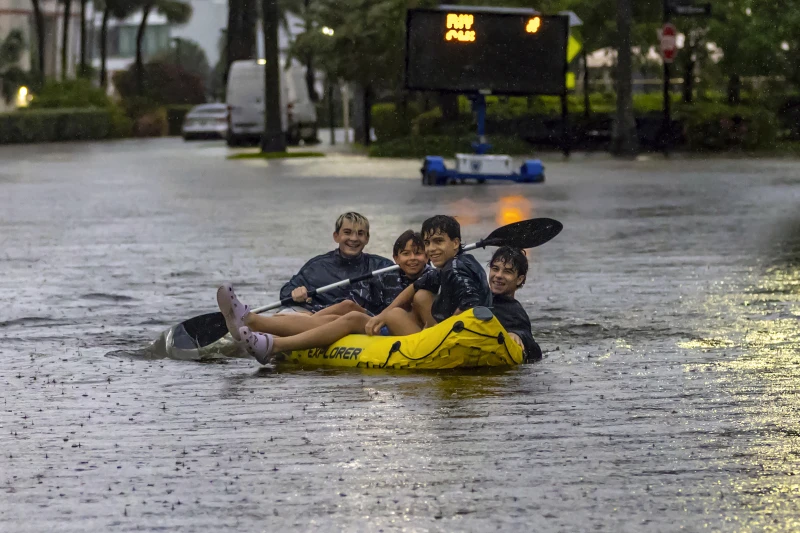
[(668, 310)]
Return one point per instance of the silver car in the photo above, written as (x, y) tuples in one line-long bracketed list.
[(206, 121)]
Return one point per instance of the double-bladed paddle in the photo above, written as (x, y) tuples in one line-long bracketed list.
[(206, 329)]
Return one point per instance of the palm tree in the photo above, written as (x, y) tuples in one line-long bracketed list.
[(65, 37), (11, 76), (175, 11), (241, 35), (39, 22), (82, 70), (624, 140), (120, 10), (273, 139)]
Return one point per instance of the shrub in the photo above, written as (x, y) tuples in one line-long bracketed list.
[(789, 117), (151, 123), (121, 124), (711, 126), (445, 145), (420, 146), (427, 123), (164, 84), (70, 94), (390, 122), (51, 125)]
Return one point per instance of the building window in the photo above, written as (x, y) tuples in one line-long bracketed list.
[(127, 41), (122, 41)]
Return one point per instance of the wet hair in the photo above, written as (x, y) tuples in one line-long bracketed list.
[(515, 256), (444, 224), (402, 240), (355, 218)]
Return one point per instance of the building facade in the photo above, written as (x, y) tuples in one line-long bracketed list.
[(18, 14)]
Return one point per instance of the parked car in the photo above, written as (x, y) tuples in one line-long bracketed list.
[(245, 99), (206, 121)]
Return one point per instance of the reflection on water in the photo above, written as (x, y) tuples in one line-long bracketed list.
[(466, 211), (759, 327), (512, 209)]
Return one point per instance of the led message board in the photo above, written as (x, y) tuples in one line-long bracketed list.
[(465, 50)]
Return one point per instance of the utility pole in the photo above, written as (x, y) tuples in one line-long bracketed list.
[(624, 140), (273, 139)]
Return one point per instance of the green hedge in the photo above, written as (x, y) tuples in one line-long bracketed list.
[(445, 145), (390, 122), (52, 125), (70, 94), (711, 126)]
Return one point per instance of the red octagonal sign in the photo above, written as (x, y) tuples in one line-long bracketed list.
[(669, 45)]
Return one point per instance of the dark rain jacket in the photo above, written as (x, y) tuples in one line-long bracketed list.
[(459, 284), (389, 286), (332, 267), (514, 319)]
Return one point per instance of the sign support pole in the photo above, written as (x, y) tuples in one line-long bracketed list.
[(565, 136), (665, 126), (479, 106)]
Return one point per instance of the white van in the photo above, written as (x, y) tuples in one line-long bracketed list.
[(245, 100)]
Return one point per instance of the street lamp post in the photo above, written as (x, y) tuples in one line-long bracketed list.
[(329, 81)]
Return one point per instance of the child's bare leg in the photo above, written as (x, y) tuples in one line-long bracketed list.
[(285, 325), (340, 309), (401, 322), (325, 335), (421, 306)]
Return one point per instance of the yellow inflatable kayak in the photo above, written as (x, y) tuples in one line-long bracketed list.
[(472, 339)]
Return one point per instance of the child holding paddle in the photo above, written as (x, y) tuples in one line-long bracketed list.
[(351, 233), (208, 328), (458, 284), (408, 253)]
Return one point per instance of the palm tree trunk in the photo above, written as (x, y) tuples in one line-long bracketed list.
[(241, 34), (624, 139), (310, 77), (273, 139), (39, 21), (104, 47), (139, 40), (65, 38), (83, 67)]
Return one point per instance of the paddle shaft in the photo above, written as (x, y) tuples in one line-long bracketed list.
[(206, 329), (345, 282)]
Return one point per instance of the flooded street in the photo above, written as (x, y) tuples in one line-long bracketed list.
[(668, 310)]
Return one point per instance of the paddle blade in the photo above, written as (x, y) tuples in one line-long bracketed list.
[(524, 234), (200, 331)]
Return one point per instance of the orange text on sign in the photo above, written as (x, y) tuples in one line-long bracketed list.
[(533, 25), (459, 28)]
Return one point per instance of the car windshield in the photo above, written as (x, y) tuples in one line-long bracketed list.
[(208, 110)]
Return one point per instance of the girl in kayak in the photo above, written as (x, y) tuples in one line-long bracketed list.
[(458, 284), (408, 253), (508, 270)]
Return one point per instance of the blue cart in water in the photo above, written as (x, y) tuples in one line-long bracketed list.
[(480, 166)]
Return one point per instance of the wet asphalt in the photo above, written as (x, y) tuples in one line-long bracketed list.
[(668, 310)]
